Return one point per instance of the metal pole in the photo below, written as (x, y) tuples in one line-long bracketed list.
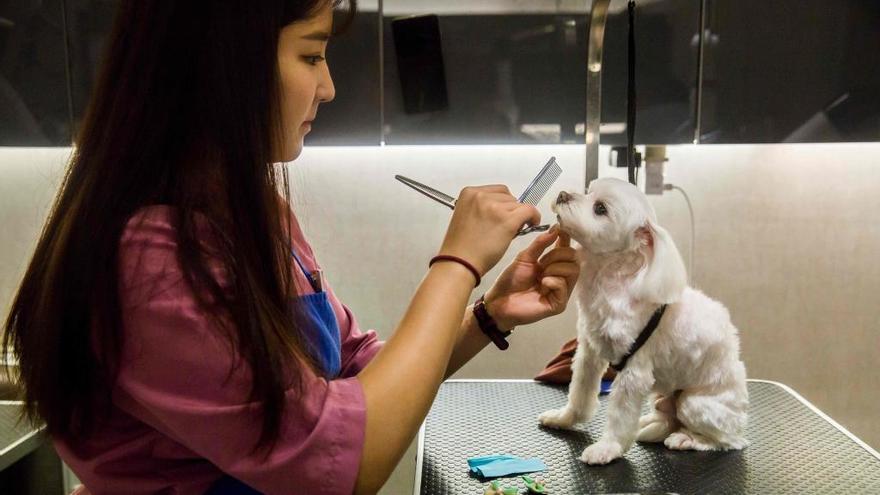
[(701, 53), (595, 46)]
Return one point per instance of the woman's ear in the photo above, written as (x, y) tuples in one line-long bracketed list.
[(664, 276)]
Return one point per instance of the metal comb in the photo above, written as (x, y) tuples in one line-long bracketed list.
[(538, 188), (541, 183)]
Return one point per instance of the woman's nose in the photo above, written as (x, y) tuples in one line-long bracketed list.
[(326, 90)]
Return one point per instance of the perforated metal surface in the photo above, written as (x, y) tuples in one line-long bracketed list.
[(793, 449), (17, 438), (11, 430)]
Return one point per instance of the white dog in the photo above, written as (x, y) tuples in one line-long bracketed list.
[(630, 269)]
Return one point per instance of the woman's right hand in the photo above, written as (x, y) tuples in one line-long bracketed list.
[(485, 221)]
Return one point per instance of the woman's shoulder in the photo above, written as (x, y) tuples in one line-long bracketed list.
[(149, 248), (151, 234), (153, 221), (148, 242), (159, 222)]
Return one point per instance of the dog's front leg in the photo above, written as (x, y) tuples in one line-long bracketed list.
[(624, 407), (583, 392)]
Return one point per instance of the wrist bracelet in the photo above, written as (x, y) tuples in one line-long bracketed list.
[(446, 257), (488, 325)]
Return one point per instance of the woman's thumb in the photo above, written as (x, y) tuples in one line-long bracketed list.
[(534, 251)]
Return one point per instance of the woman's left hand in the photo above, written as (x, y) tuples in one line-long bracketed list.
[(533, 286)]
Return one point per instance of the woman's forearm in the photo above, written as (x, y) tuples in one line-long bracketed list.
[(400, 383), (470, 342)]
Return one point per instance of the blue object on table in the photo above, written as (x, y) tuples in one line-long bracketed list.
[(494, 466), (605, 387)]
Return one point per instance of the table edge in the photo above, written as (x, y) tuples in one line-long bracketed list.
[(822, 415), (417, 486)]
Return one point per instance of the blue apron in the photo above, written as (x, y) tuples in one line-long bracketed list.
[(322, 337)]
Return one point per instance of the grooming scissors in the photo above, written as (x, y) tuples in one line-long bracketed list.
[(532, 195)]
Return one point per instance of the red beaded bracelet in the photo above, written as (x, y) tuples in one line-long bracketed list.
[(446, 257)]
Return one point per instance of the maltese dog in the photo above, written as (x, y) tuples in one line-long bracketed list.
[(668, 340)]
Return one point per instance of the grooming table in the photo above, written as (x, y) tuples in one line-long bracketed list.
[(795, 448), (17, 438)]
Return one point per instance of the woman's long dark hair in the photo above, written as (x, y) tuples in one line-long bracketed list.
[(188, 95)]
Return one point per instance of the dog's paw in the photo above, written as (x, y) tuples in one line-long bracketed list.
[(653, 432), (562, 418), (647, 419), (602, 452), (679, 441), (654, 427), (688, 440), (735, 443)]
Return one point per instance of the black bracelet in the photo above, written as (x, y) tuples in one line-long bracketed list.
[(488, 325)]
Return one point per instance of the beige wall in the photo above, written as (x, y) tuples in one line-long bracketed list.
[(787, 238), (29, 178)]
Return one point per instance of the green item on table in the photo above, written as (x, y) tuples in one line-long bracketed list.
[(495, 489), (535, 485)]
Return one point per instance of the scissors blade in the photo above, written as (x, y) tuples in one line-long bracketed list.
[(442, 198), (536, 228)]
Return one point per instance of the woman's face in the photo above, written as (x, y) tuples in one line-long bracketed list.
[(305, 78)]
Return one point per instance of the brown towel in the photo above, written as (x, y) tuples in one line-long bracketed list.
[(558, 370)]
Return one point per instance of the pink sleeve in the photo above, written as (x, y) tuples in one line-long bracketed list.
[(179, 376)]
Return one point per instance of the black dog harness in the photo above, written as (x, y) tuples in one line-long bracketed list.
[(642, 338)]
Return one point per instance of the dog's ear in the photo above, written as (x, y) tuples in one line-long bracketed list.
[(664, 276)]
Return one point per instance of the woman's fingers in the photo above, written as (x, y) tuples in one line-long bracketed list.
[(558, 254), (484, 223), (498, 196), (537, 247), (566, 270), (526, 214), (556, 290), (564, 239)]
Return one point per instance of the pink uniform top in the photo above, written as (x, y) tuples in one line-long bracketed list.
[(181, 420)]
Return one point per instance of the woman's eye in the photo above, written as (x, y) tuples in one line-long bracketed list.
[(599, 208), (314, 59)]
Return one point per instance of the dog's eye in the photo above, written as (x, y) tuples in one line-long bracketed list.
[(599, 208)]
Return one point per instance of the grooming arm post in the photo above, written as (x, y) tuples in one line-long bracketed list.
[(595, 47)]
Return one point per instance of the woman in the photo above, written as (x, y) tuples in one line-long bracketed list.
[(173, 329)]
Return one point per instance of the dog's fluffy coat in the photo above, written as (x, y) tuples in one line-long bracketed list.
[(690, 365)]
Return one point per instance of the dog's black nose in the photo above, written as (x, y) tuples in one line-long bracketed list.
[(563, 198)]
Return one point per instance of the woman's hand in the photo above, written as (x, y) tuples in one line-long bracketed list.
[(534, 287), (484, 223)]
